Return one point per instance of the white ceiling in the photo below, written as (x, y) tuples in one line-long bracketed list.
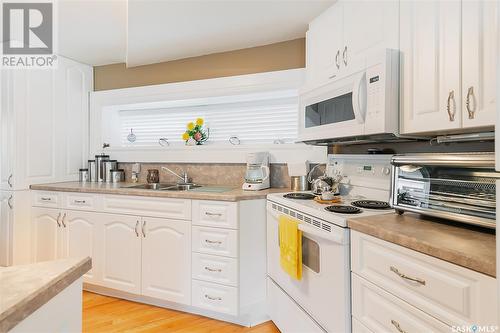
[(106, 31)]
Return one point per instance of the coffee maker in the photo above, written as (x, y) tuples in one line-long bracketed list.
[(257, 173)]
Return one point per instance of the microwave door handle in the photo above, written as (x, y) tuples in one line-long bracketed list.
[(357, 92)]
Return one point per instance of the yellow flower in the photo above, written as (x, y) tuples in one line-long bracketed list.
[(190, 126), (199, 121), (185, 136)]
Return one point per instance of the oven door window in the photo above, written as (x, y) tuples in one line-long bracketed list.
[(310, 254), (331, 111)]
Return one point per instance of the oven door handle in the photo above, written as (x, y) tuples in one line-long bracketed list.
[(332, 236), (359, 98)]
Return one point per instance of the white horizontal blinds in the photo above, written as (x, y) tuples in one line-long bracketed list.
[(254, 121)]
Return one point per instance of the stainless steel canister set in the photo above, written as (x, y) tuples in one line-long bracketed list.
[(102, 170)]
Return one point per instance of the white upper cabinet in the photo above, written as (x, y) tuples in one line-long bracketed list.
[(44, 124), (479, 57), (340, 40), (430, 56), (448, 52)]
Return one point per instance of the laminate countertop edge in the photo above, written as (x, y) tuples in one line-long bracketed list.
[(231, 194), (469, 248), (17, 312)]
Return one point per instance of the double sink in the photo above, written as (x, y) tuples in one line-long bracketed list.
[(166, 187)]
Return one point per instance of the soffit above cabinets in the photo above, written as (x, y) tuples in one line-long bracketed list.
[(141, 32)]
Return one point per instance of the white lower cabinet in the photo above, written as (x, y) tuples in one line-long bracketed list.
[(121, 252), (204, 265), (392, 284), (166, 259)]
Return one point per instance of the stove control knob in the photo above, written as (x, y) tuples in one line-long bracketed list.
[(386, 171)]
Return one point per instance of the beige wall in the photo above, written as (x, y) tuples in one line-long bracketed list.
[(272, 57)]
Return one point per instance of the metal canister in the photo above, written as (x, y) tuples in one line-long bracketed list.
[(117, 175), (99, 166), (108, 166), (92, 171), (299, 183), (83, 175)]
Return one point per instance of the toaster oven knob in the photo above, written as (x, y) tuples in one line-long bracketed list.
[(386, 171)]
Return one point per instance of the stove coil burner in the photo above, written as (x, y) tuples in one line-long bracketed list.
[(300, 196), (343, 209), (372, 204)]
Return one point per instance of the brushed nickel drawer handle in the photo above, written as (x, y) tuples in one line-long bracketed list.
[(344, 55), (79, 201), (218, 270), (45, 199), (406, 277), (9, 181), (143, 229), (213, 214), (213, 298), (398, 327), (337, 59), (62, 220), (136, 225), (212, 242), (470, 97), (451, 98), (57, 220), (9, 202)]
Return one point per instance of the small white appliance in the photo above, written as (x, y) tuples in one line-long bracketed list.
[(257, 172), (363, 106), (320, 301)]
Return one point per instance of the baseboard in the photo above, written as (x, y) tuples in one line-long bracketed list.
[(251, 316)]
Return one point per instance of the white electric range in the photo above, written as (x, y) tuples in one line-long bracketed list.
[(320, 301)]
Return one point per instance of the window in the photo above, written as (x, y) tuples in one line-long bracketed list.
[(270, 117)]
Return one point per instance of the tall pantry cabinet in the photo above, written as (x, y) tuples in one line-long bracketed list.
[(448, 57), (44, 138)]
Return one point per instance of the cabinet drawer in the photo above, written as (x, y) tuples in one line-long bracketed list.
[(179, 209), (215, 269), (450, 293), (81, 201), (215, 297), (215, 213), (381, 312), (222, 242), (46, 199)]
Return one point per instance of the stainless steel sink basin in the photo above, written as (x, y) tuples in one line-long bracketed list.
[(166, 187), (181, 187)]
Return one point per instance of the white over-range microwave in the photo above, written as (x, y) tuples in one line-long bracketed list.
[(362, 107)]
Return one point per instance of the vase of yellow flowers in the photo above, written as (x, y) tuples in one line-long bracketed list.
[(195, 134)]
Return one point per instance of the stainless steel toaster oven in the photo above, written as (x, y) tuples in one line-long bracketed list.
[(458, 187)]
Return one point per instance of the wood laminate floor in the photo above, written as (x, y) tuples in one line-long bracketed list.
[(108, 314)]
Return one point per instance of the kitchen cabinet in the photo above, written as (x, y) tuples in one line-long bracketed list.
[(479, 62), (166, 259), (448, 52), (44, 122), (340, 41), (47, 236), (121, 252), (6, 226)]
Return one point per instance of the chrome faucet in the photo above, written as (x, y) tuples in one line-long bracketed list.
[(184, 178)]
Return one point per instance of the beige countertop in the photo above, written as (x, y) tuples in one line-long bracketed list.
[(206, 192), (466, 247), (25, 288)]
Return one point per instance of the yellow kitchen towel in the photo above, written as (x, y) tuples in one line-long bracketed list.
[(290, 246)]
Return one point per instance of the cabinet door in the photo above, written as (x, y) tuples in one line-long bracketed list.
[(72, 87), (479, 57), (120, 248), (81, 232), (166, 259), (323, 47), (430, 51), (368, 25), (46, 234), (6, 228), (6, 131)]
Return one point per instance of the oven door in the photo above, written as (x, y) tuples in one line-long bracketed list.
[(335, 110), (324, 290)]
